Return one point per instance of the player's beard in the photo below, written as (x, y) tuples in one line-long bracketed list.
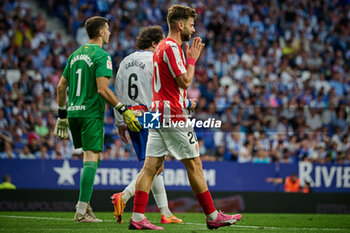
[(186, 35)]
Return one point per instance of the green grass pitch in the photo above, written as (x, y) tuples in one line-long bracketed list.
[(193, 222)]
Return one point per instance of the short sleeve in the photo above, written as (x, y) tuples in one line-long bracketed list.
[(104, 67), (119, 89), (173, 58)]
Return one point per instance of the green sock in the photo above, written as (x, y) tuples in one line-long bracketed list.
[(87, 181), (99, 162)]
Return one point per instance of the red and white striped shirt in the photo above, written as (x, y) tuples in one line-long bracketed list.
[(168, 98)]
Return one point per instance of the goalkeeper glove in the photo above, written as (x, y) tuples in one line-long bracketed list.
[(62, 125), (129, 118)]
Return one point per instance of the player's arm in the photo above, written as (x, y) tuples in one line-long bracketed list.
[(62, 126), (192, 54), (104, 90), (108, 95), (119, 122), (119, 91), (185, 80), (62, 92)]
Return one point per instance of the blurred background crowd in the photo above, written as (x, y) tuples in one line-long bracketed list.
[(275, 72)]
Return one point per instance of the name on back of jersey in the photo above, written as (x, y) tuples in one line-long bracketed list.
[(81, 57), (135, 63)]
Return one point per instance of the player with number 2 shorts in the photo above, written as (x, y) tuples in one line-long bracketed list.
[(133, 86), (173, 74)]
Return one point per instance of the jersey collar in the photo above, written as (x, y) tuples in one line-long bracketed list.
[(168, 38), (92, 44), (143, 51)]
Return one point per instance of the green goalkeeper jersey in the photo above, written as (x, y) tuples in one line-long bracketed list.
[(83, 67)]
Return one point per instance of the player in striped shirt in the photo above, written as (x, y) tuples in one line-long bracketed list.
[(172, 75)]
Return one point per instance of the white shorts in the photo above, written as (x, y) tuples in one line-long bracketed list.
[(180, 143)]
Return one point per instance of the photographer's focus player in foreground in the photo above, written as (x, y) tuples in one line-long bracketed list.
[(172, 75)]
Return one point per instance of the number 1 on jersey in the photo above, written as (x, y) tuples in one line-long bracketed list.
[(79, 82)]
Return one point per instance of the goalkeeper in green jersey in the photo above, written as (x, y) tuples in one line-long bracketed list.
[(87, 75)]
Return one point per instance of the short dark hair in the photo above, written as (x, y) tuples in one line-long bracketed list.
[(178, 12), (148, 35), (93, 26)]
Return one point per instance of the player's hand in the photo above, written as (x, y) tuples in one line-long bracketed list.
[(121, 130), (129, 118), (61, 128), (193, 105), (137, 113), (196, 48), (131, 121)]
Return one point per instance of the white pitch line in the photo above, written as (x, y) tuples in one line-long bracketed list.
[(291, 228), (276, 228), (31, 217), (198, 224), (44, 218)]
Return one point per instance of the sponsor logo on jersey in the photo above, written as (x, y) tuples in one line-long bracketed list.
[(109, 65), (76, 108)]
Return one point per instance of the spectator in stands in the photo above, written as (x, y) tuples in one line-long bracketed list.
[(43, 153), (4, 124), (107, 153), (235, 145), (289, 56), (245, 152), (40, 128), (26, 154), (8, 152), (65, 147), (261, 157)]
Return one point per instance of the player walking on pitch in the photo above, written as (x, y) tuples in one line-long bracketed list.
[(87, 75), (133, 86), (171, 77)]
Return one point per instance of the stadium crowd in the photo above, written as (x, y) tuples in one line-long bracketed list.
[(275, 72)]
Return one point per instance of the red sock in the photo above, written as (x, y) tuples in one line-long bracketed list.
[(140, 201), (206, 202)]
